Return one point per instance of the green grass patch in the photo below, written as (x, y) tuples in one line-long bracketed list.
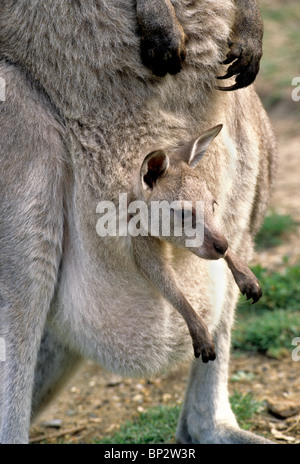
[(281, 291), (155, 426), (244, 408), (270, 325), (270, 333), (274, 230), (158, 425)]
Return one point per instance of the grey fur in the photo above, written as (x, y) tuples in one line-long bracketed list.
[(80, 114)]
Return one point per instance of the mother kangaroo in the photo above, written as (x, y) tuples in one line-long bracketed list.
[(81, 111)]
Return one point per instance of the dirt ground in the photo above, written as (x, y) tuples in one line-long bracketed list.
[(95, 403)]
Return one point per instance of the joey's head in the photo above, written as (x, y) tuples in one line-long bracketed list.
[(180, 207)]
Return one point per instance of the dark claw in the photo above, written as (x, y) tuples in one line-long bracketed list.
[(226, 76), (232, 87), (229, 59), (257, 296), (196, 352), (244, 64), (212, 356), (253, 293), (205, 358), (207, 354)]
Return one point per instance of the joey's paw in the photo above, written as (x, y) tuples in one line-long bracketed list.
[(251, 288), (245, 52), (206, 350), (164, 51)]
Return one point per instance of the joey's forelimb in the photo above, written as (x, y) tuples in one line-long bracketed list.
[(244, 277), (149, 258)]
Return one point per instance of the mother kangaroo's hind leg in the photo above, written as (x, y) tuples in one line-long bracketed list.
[(31, 229)]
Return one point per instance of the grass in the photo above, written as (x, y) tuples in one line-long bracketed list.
[(245, 406), (270, 326), (155, 426), (158, 425), (281, 291), (274, 230), (270, 333)]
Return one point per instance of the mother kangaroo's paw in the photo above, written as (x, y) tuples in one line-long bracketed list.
[(245, 46), (163, 51), (245, 59)]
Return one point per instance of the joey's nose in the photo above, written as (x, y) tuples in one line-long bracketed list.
[(221, 246)]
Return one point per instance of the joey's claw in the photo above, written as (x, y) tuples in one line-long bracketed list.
[(207, 352), (253, 291), (256, 295)]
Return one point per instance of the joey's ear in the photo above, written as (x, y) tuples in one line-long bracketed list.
[(155, 165), (200, 145)]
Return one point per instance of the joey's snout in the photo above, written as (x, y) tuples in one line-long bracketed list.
[(214, 245)]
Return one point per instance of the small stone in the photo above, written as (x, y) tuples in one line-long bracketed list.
[(95, 420), (74, 390), (138, 398), (55, 423), (282, 407), (114, 381)]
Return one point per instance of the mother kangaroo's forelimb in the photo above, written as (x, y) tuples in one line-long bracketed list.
[(245, 45), (163, 41), (162, 37)]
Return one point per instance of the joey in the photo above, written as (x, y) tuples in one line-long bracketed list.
[(173, 178)]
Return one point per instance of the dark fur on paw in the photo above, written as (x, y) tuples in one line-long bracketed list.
[(252, 290), (248, 285), (206, 351), (245, 47), (164, 52), (245, 66)]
